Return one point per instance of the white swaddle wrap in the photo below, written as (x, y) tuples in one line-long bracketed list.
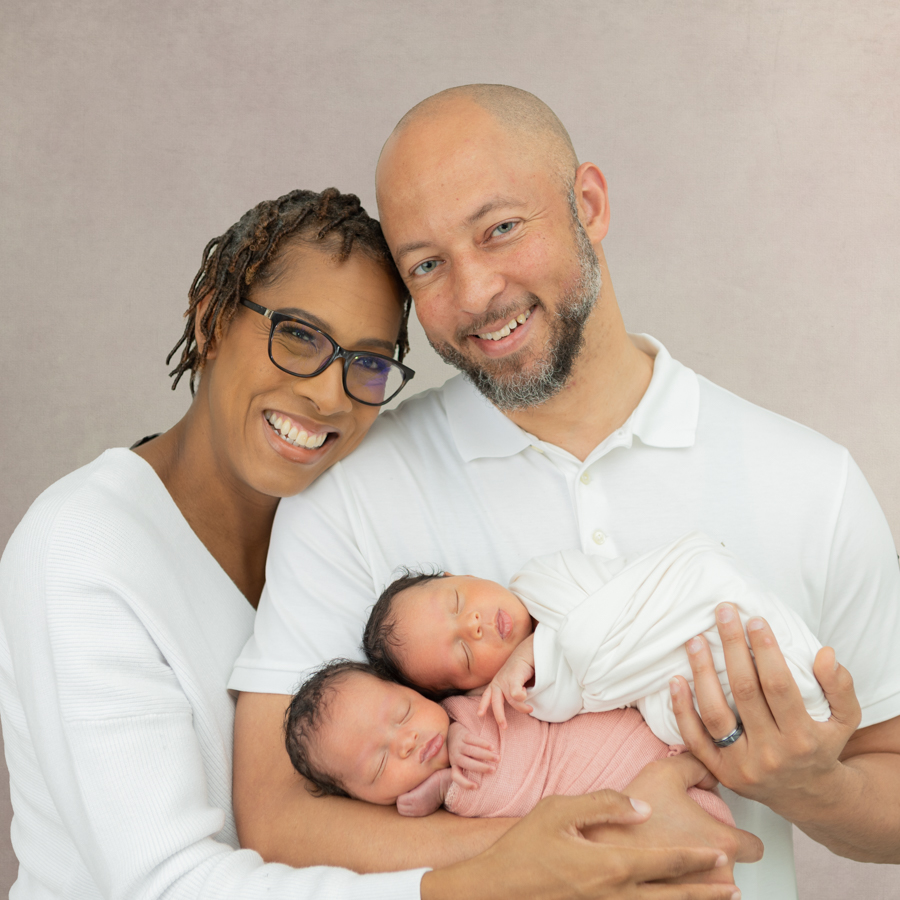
[(612, 634)]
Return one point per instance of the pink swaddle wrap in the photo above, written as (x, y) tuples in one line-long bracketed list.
[(537, 759)]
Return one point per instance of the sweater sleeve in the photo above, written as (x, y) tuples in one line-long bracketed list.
[(109, 761)]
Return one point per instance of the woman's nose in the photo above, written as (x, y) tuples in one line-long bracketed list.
[(326, 390)]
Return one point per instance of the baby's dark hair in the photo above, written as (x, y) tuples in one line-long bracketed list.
[(306, 715), (248, 254), (381, 641)]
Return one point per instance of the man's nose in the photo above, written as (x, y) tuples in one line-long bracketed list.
[(477, 284)]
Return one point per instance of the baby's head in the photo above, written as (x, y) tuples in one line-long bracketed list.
[(442, 633), (352, 733)]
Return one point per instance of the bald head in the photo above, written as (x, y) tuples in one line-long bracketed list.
[(518, 112), (531, 125)]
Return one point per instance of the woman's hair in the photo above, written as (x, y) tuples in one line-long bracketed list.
[(381, 641), (306, 715), (249, 252)]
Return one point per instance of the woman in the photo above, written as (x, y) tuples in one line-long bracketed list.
[(129, 587)]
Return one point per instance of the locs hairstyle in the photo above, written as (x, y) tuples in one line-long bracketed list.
[(248, 254)]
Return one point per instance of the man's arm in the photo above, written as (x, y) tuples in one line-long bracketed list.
[(277, 817), (838, 784)]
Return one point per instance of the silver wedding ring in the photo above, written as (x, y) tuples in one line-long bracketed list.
[(729, 739)]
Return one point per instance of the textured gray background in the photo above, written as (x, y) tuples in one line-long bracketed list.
[(750, 147)]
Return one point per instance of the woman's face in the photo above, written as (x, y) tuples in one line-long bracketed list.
[(251, 402)]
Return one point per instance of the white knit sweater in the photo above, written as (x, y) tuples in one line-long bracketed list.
[(118, 632)]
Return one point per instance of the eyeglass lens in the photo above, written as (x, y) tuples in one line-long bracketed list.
[(301, 350)]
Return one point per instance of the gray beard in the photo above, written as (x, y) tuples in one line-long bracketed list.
[(509, 388)]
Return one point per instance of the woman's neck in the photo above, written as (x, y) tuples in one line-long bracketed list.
[(233, 521)]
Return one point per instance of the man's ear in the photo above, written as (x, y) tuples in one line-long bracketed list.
[(592, 198), (199, 337)]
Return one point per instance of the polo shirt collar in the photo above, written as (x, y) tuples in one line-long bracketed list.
[(670, 408), (666, 416), (479, 429)]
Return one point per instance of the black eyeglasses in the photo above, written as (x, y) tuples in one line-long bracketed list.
[(301, 349)]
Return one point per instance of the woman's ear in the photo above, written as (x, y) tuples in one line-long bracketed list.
[(199, 337), (592, 199)]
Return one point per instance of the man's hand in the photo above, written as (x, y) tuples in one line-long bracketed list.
[(548, 855), (468, 751), (838, 784), (784, 758), (509, 683)]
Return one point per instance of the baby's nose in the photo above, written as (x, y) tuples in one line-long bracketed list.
[(406, 742), (475, 625)]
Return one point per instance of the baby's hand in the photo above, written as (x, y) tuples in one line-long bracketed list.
[(509, 683), (468, 751), (427, 797)]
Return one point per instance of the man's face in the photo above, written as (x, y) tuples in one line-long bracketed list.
[(503, 276)]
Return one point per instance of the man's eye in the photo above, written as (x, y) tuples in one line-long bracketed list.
[(504, 228), (425, 268)]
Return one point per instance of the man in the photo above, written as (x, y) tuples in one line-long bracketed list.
[(590, 438)]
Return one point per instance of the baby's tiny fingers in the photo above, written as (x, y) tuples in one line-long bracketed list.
[(474, 740), (497, 703), (486, 753), (476, 765), (462, 781)]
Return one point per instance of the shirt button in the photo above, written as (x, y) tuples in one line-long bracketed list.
[(585, 477), (599, 537)]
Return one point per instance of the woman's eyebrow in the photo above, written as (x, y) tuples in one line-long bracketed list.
[(313, 319)]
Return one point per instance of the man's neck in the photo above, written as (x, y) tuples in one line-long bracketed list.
[(607, 382)]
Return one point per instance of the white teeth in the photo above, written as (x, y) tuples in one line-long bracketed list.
[(507, 328), (295, 435)]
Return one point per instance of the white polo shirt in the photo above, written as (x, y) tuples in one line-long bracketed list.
[(447, 480)]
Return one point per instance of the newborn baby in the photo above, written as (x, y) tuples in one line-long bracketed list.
[(350, 732), (593, 634)]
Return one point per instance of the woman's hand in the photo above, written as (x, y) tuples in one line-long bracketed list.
[(784, 758), (547, 856)]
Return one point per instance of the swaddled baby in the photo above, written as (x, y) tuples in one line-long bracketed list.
[(351, 732), (592, 634)]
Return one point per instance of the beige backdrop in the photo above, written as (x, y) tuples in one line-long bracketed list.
[(750, 147)]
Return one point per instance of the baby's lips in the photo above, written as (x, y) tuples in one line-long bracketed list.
[(432, 748)]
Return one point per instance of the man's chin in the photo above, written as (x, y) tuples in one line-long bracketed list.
[(504, 382)]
